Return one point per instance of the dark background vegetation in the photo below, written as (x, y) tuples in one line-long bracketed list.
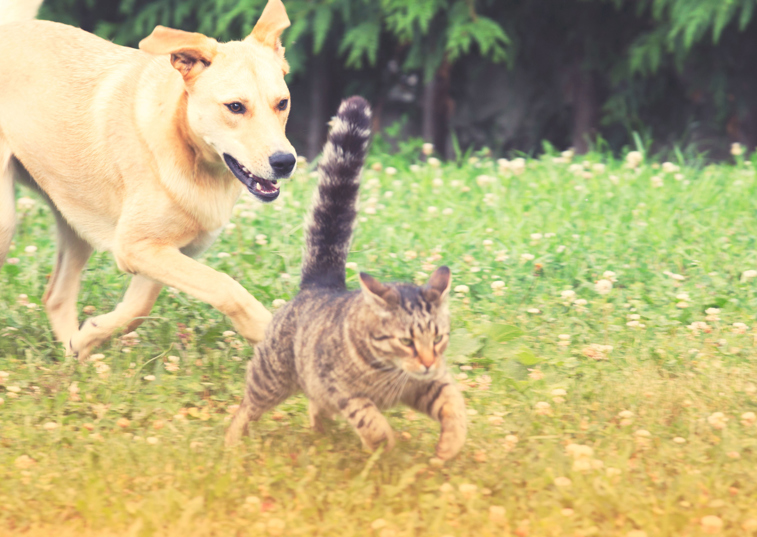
[(506, 74)]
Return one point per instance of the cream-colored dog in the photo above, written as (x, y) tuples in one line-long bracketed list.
[(140, 152)]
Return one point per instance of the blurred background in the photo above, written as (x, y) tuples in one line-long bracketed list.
[(516, 76)]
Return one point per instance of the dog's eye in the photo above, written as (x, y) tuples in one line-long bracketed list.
[(406, 341), (438, 338), (237, 108), (283, 103)]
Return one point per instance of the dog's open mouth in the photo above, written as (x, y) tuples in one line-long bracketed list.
[(263, 189)]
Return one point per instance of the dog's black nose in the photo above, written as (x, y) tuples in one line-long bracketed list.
[(282, 163)]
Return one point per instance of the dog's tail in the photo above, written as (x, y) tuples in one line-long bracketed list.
[(18, 10), (334, 204)]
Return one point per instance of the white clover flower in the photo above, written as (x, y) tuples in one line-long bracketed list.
[(462, 289), (261, 239), (388, 194), (634, 159), (559, 392), (657, 181), (598, 168), (25, 203), (581, 302), (411, 254), (437, 182), (149, 378), (518, 166), (351, 265), (737, 149), (543, 408), (669, 167), (527, 257), (390, 171), (748, 418), (222, 255), (748, 274), (503, 164), (610, 275), (427, 149), (563, 482), (447, 211), (711, 524), (568, 154), (568, 294), (497, 285), (533, 311), (603, 286), (433, 162), (483, 180), (30, 249), (679, 440), (536, 236), (717, 420)]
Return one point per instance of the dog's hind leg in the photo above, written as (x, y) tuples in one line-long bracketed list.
[(63, 289), (136, 304), (7, 200)]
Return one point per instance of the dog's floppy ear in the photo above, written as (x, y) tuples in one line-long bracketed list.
[(190, 52), (271, 23)]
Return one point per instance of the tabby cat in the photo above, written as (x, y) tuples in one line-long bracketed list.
[(354, 352)]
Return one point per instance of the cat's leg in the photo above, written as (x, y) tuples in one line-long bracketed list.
[(367, 420), (442, 401), (267, 383), (317, 413)]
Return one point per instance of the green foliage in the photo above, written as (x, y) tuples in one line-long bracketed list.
[(70, 466)]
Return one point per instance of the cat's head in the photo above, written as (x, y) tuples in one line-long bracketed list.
[(408, 326)]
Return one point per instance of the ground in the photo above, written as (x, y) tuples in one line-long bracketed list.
[(603, 330)]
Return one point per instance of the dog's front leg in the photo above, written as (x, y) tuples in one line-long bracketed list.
[(170, 267)]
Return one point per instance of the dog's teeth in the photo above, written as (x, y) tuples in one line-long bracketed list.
[(257, 186)]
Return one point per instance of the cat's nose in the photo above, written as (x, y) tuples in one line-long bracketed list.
[(426, 357)]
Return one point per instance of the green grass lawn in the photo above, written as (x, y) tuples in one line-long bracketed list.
[(622, 411)]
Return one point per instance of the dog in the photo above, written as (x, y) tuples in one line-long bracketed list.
[(142, 153)]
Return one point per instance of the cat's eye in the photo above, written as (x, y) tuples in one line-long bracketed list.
[(407, 342), (438, 338), (236, 108)]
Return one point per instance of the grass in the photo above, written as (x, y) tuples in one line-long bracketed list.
[(125, 446)]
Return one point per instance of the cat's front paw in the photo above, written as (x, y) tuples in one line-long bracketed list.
[(454, 430), (375, 431)]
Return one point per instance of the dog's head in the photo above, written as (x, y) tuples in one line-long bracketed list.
[(237, 101)]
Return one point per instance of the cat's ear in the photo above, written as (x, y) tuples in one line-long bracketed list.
[(377, 293), (438, 284)]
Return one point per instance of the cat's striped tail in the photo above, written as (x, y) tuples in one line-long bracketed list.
[(334, 205)]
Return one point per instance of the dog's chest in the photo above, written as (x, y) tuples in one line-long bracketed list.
[(201, 242)]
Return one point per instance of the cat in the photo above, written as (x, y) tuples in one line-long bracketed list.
[(354, 352)]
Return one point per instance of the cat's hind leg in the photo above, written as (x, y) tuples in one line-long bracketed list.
[(442, 401), (266, 385)]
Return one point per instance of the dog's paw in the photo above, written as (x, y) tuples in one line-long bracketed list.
[(85, 339)]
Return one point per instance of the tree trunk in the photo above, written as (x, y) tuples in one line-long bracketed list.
[(318, 102), (437, 109), (585, 107)]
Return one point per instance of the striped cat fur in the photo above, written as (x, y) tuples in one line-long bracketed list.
[(354, 353)]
